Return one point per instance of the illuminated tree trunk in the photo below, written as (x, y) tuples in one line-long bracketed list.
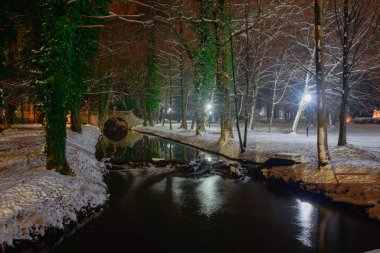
[(56, 131), (222, 81), (322, 145), (200, 114), (203, 66), (301, 105)]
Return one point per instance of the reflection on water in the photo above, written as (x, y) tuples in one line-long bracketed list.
[(208, 192), (177, 191), (209, 195), (136, 147), (183, 213), (305, 221)]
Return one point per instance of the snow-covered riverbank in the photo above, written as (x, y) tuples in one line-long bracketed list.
[(353, 178), (32, 198)]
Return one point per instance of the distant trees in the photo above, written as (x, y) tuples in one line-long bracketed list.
[(7, 35), (152, 51), (357, 23)]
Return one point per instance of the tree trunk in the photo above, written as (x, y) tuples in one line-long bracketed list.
[(342, 140), (183, 88), (22, 108), (199, 113), (88, 111), (345, 78), (170, 96), (75, 120), (150, 117), (246, 78), (242, 147), (165, 108), (34, 114), (271, 112), (322, 144), (222, 81), (56, 137)]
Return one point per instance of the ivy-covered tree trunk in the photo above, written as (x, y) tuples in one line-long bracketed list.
[(66, 49), (150, 98), (75, 120), (56, 132), (204, 65), (199, 113), (57, 36)]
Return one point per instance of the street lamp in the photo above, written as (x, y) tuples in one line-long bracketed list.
[(307, 97)]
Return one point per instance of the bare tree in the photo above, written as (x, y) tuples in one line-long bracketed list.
[(357, 23), (322, 144)]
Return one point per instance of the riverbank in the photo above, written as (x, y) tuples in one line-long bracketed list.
[(353, 178), (33, 199)]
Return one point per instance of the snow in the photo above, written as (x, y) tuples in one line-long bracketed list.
[(32, 198), (353, 176)]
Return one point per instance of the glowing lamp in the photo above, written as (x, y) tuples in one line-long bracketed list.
[(307, 98)]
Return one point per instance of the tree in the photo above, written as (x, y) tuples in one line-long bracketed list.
[(182, 83), (65, 43), (222, 80), (150, 96), (7, 35), (203, 58), (279, 82), (322, 144), (357, 23)]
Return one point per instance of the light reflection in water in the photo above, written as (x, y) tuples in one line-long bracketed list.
[(177, 190), (305, 222), (208, 195), (208, 158)]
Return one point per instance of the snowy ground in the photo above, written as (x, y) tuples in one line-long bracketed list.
[(32, 198), (353, 178)]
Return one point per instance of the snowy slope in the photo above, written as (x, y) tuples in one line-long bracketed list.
[(33, 198)]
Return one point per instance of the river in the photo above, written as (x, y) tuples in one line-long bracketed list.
[(158, 209)]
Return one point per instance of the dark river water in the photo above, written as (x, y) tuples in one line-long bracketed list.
[(160, 210)]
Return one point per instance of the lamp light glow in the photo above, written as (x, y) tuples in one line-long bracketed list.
[(307, 98)]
